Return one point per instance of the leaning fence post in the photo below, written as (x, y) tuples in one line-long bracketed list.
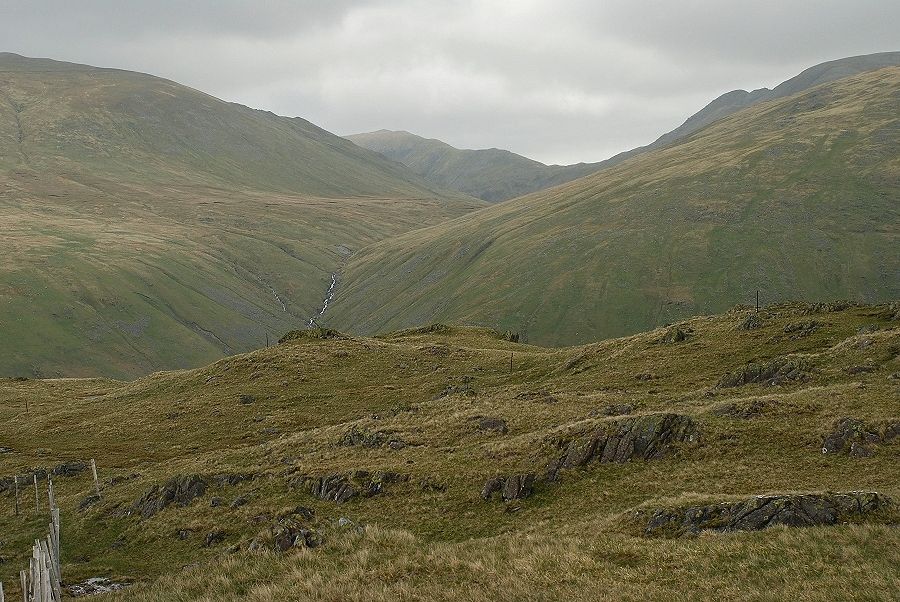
[(96, 478)]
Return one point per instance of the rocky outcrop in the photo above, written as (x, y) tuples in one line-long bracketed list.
[(775, 372), (232, 478), (342, 487), (761, 512), (181, 491), (512, 487), (745, 410), (287, 534), (356, 436), (676, 334), (491, 423), (64, 469), (857, 438), (751, 322), (801, 329), (541, 396), (639, 438)]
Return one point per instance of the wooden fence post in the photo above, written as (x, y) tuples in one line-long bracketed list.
[(23, 579), (50, 497), (2, 596), (96, 478)]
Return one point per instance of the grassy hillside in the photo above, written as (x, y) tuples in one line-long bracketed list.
[(498, 175), (431, 415), (489, 174), (795, 197), (145, 225)]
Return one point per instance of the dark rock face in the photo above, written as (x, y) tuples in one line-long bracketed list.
[(343, 487), (761, 512), (856, 438), (513, 487), (180, 491), (639, 438), (492, 423), (776, 372)]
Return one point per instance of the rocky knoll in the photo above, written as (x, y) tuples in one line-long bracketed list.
[(761, 512), (642, 437)]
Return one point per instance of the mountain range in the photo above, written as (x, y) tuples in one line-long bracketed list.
[(795, 197), (498, 175), (146, 225)]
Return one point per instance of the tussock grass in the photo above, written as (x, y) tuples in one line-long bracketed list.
[(282, 412)]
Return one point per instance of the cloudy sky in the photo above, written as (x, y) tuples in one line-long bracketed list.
[(558, 80)]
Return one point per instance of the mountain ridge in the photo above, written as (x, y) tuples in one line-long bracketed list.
[(476, 171), (156, 226), (748, 202)]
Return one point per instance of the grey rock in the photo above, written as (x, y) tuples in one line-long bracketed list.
[(646, 437), (512, 487), (214, 537), (762, 512)]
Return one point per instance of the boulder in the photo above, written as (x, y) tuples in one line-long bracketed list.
[(762, 512)]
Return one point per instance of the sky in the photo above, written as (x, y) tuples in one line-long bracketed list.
[(561, 81)]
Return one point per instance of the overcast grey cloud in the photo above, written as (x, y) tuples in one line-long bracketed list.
[(561, 81)]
